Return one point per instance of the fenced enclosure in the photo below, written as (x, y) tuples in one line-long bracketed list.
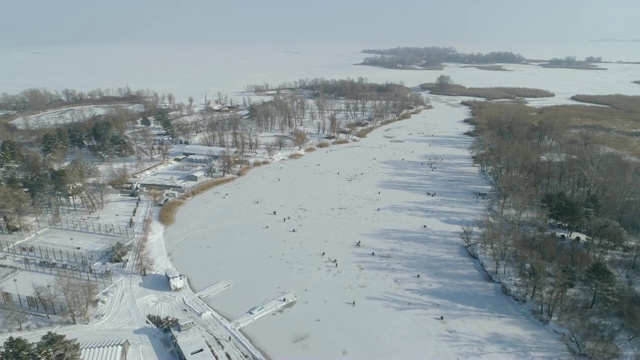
[(124, 232), (34, 253), (51, 302)]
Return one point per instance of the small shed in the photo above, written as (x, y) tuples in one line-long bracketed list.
[(105, 350), (176, 280)]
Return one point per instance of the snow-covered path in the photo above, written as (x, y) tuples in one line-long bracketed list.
[(363, 301)]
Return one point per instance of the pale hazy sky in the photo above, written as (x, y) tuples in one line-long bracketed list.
[(472, 25)]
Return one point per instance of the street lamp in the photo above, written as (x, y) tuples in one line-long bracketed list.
[(15, 282)]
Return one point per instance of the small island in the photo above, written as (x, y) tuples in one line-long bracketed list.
[(570, 62), (488, 67), (445, 86), (432, 58)]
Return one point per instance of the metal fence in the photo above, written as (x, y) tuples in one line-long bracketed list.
[(32, 303), (51, 304), (92, 227), (102, 278), (38, 252)]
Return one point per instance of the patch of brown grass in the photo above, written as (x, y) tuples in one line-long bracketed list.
[(323, 144), (610, 127), (362, 133), (295, 156), (244, 170), (403, 116), (617, 101), (310, 149), (342, 141), (168, 211), (488, 93), (206, 186)]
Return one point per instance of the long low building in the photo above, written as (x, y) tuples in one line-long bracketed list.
[(105, 350), (201, 150)]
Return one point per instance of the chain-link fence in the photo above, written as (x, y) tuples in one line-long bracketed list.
[(44, 305), (92, 227)]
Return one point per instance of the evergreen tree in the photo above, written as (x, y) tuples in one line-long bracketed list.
[(54, 346), (17, 349), (76, 138), (48, 144), (603, 283)]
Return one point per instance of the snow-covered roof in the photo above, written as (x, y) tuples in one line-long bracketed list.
[(172, 272), (198, 173), (201, 150), (198, 157), (192, 345), (104, 350)]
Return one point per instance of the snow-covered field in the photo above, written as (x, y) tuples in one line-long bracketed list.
[(70, 114)]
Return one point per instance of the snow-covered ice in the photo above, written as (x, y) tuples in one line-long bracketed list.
[(374, 192)]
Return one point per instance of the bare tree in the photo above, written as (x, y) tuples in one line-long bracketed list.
[(142, 260), (279, 142), (68, 291), (148, 140), (270, 148), (119, 177), (164, 150), (87, 291), (15, 316), (77, 294), (227, 160), (44, 296), (299, 138), (467, 233)]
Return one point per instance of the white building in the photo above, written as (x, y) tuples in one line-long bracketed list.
[(190, 343), (176, 280), (211, 152)]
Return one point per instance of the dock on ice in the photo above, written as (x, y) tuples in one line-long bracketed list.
[(213, 289), (264, 309)]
